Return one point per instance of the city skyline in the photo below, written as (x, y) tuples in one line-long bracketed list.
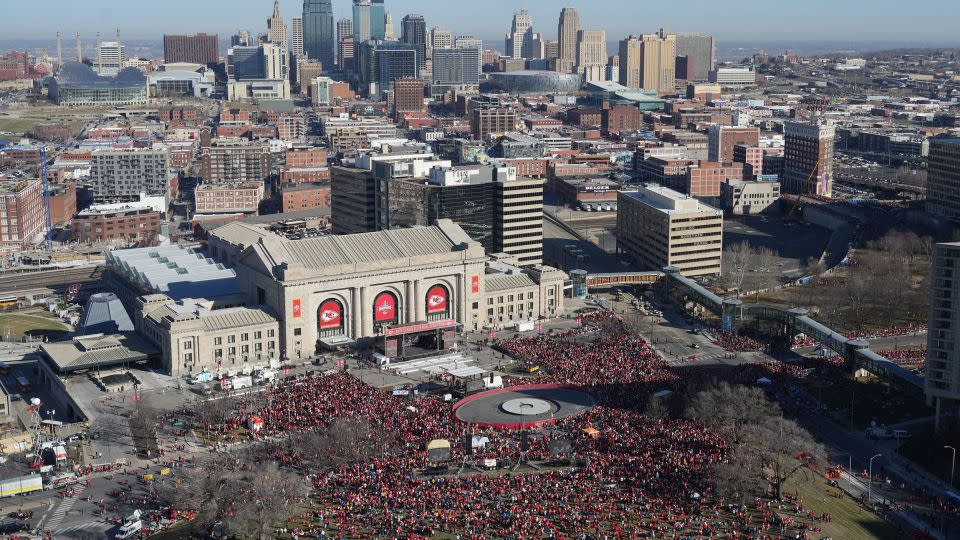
[(490, 20)]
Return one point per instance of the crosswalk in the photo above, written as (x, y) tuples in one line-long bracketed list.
[(97, 526), (60, 512)]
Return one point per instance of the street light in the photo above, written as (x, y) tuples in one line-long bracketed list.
[(953, 463), (870, 480)]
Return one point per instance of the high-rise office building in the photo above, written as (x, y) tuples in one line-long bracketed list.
[(318, 36), (456, 67), (649, 62), (296, 37), (659, 227), (369, 21), (389, 32), (241, 39), (440, 38), (941, 377), (415, 33), (266, 61), (199, 49), (277, 28), (110, 57), (344, 29), (382, 62), (808, 158), (943, 178), (519, 41), (699, 53), (567, 31), (592, 54)]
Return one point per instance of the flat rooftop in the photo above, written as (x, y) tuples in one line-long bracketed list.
[(669, 201)]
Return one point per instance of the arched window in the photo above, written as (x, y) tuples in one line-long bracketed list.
[(330, 318), (437, 303), (385, 309)]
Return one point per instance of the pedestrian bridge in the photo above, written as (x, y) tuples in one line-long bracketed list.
[(796, 321)]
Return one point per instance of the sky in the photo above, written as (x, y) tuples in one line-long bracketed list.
[(931, 21)]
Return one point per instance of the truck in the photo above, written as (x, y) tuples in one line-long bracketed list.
[(204, 377), (243, 381), (265, 376), (131, 526), (21, 485), (527, 326)]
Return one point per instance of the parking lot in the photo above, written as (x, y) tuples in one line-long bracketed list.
[(795, 243)]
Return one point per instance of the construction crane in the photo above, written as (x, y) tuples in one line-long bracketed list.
[(811, 180)]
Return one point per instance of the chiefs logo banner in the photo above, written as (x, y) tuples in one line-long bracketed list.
[(437, 300), (297, 308), (331, 315), (385, 308)]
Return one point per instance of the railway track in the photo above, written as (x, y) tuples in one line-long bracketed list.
[(13, 282)]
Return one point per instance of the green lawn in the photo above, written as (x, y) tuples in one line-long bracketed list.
[(16, 326), (848, 519)]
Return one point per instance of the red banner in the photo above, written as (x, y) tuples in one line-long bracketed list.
[(475, 284), (297, 308), (419, 327), (385, 307), (437, 299), (330, 315)]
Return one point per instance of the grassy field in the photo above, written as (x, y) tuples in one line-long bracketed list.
[(17, 326), (23, 125), (849, 521)]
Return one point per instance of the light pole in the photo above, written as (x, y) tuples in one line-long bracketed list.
[(953, 463), (870, 480)]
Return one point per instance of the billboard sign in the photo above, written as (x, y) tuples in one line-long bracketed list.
[(330, 315), (385, 307), (437, 299)]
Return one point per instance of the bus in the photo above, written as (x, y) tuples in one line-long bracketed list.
[(9, 302), (23, 384)]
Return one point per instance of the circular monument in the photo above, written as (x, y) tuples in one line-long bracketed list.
[(523, 407), (526, 406)]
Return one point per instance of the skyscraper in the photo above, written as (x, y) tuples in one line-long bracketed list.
[(318, 36), (344, 29), (942, 371), (808, 158), (943, 181), (592, 54), (649, 62), (388, 31), (277, 28), (369, 20), (415, 33), (296, 37), (519, 41), (456, 67), (699, 51), (567, 32)]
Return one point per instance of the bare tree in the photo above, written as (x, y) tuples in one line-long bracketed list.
[(731, 409), (774, 451), (741, 260)]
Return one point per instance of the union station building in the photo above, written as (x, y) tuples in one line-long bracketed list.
[(400, 293)]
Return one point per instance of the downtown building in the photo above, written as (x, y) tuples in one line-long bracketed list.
[(808, 158), (649, 62), (21, 213), (319, 40), (203, 49), (658, 227), (698, 56), (943, 178), (121, 175), (231, 160)]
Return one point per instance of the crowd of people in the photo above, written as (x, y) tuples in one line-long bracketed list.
[(738, 343), (910, 358), (636, 475), (893, 331)]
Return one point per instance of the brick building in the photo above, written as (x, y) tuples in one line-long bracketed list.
[(21, 212), (704, 178), (178, 114), (305, 195), (585, 117), (620, 118), (751, 157), (239, 197), (198, 49), (492, 120), (122, 222), (722, 139), (407, 95), (63, 203), (235, 160)]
